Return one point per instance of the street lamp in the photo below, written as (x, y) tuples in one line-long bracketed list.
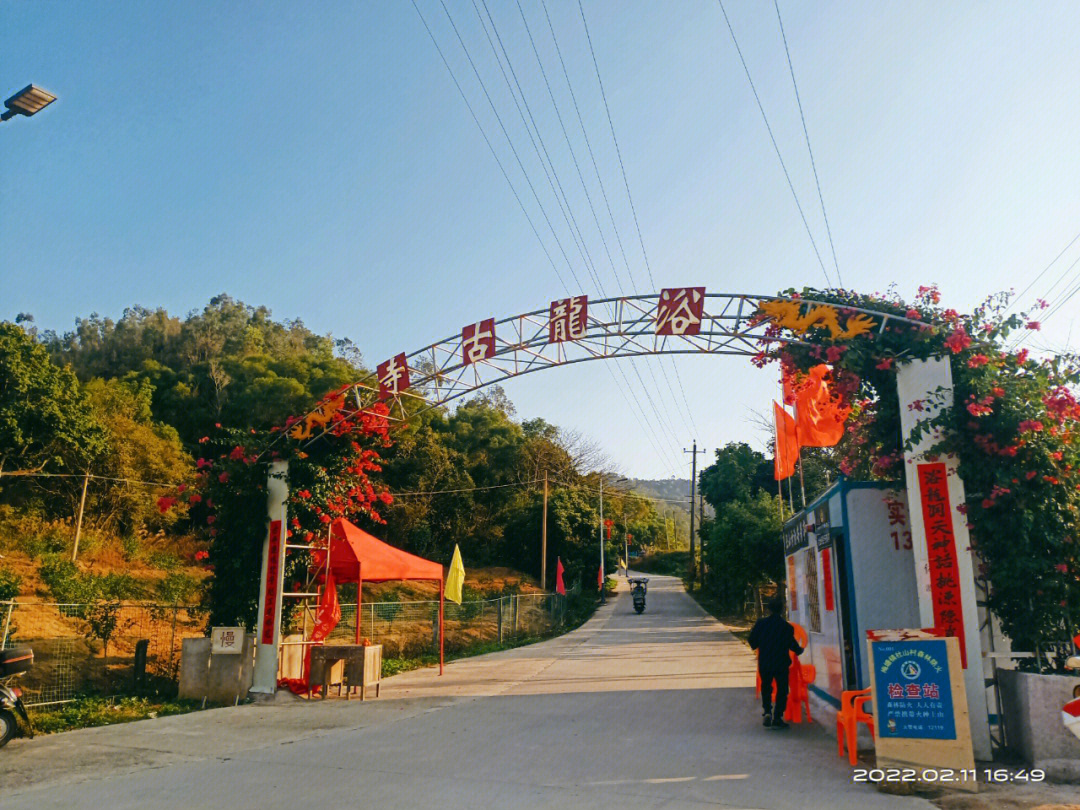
[(31, 99)]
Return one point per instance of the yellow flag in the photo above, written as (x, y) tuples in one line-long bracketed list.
[(456, 578)]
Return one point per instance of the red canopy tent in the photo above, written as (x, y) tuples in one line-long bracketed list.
[(356, 556)]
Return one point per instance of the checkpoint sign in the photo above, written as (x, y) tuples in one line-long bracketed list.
[(920, 704), (913, 690), (226, 640)]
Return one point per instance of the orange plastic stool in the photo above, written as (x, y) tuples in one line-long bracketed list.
[(847, 722)]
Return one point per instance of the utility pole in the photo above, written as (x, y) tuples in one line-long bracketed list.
[(693, 487), (603, 598), (78, 522), (543, 538), (701, 523)]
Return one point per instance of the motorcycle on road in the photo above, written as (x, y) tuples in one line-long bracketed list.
[(638, 587)]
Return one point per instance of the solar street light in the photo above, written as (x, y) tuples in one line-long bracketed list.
[(31, 99)]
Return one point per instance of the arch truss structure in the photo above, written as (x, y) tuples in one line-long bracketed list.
[(683, 320)]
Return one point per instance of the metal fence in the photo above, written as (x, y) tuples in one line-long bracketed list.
[(82, 648)]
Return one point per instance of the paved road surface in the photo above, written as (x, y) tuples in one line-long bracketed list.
[(651, 711)]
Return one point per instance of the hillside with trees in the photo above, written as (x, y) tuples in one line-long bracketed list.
[(121, 416)]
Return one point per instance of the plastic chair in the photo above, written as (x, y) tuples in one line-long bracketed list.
[(800, 678), (848, 719)]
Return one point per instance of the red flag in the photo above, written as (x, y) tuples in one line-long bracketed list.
[(821, 416), (560, 586), (787, 444)]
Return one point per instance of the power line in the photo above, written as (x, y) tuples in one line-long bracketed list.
[(510, 141), (626, 185), (806, 133), (1035, 280), (659, 417), (487, 140), (1051, 303), (772, 138)]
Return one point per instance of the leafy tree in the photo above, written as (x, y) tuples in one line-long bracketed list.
[(139, 450), (46, 422)]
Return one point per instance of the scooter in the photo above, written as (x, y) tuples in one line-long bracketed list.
[(13, 662), (638, 586)]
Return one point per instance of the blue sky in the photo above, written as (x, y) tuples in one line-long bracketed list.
[(319, 160)]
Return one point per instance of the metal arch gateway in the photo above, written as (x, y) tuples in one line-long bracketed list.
[(674, 321)]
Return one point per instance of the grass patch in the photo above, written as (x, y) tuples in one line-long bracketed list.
[(578, 611), (664, 563), (738, 625), (85, 712)]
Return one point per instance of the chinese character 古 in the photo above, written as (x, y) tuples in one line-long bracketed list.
[(478, 341)]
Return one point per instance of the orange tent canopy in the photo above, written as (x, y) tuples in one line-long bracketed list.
[(355, 554)]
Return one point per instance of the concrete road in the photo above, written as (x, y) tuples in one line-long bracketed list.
[(650, 711)]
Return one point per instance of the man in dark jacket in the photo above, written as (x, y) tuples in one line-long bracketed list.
[(774, 638)]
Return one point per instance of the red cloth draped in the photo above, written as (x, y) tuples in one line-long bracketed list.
[(787, 444), (326, 619), (560, 586), (820, 415)]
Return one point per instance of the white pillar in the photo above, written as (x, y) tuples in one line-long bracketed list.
[(930, 381), (271, 581)]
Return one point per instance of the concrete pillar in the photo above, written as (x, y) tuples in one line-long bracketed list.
[(929, 382), (271, 581)]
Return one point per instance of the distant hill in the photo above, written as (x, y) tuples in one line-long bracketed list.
[(672, 499)]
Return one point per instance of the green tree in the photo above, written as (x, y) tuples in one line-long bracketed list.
[(46, 422)]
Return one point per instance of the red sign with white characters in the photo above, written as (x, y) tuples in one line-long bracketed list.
[(478, 341), (393, 376), (941, 553), (680, 310), (273, 573), (568, 319)]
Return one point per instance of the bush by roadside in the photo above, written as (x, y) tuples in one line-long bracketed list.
[(99, 711)]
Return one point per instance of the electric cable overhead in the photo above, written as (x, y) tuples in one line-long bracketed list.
[(806, 133), (772, 138), (1053, 304), (528, 30), (626, 186), (648, 427), (487, 140), (1035, 280)]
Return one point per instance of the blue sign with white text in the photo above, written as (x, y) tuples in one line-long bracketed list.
[(914, 693)]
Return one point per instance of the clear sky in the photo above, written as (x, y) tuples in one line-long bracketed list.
[(318, 159)]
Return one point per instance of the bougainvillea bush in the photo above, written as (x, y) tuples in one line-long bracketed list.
[(1015, 430), (329, 476)]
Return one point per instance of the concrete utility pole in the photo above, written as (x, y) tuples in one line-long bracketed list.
[(693, 487), (543, 538), (78, 521), (603, 597)]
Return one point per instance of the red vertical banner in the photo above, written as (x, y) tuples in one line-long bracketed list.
[(941, 553), (273, 574), (792, 590), (826, 573)]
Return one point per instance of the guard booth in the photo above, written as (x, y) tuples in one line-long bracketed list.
[(850, 568)]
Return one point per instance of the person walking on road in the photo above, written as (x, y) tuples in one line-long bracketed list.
[(774, 639)]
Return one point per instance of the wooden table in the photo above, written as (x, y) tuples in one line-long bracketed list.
[(363, 667)]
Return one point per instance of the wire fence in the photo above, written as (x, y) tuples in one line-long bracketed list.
[(95, 648)]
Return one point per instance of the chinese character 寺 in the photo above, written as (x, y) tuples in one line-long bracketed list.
[(680, 310), (568, 319), (393, 376), (478, 341)]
